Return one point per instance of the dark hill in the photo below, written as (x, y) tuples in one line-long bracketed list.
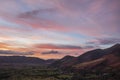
[(90, 57), (64, 62), (22, 61)]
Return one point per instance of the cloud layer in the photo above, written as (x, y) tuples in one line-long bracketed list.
[(69, 23), (53, 46), (15, 53)]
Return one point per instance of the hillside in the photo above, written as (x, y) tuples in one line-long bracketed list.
[(91, 59), (23, 61)]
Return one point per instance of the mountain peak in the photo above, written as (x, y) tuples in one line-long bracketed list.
[(117, 45), (68, 56), (114, 47)]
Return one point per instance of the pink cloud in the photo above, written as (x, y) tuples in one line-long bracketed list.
[(62, 6)]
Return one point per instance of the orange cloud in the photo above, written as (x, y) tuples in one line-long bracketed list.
[(38, 50), (3, 45), (6, 46)]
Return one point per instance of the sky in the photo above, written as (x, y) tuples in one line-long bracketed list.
[(55, 28)]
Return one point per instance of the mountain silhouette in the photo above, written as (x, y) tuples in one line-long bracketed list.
[(22, 60), (91, 59), (98, 58)]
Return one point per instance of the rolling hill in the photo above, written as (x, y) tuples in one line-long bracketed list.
[(23, 61)]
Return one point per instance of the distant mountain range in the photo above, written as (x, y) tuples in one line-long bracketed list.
[(24, 61), (98, 58)]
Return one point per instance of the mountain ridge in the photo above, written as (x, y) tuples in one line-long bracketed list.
[(94, 57), (90, 56), (22, 60)]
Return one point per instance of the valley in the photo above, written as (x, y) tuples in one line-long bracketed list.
[(92, 65)]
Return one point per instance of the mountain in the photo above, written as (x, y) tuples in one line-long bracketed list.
[(97, 53), (64, 62), (97, 58), (22, 60), (113, 49), (90, 59), (110, 60), (91, 55)]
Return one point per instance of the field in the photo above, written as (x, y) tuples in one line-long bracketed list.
[(33, 74), (36, 73)]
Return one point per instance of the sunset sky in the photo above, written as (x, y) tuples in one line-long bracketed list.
[(55, 28)]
